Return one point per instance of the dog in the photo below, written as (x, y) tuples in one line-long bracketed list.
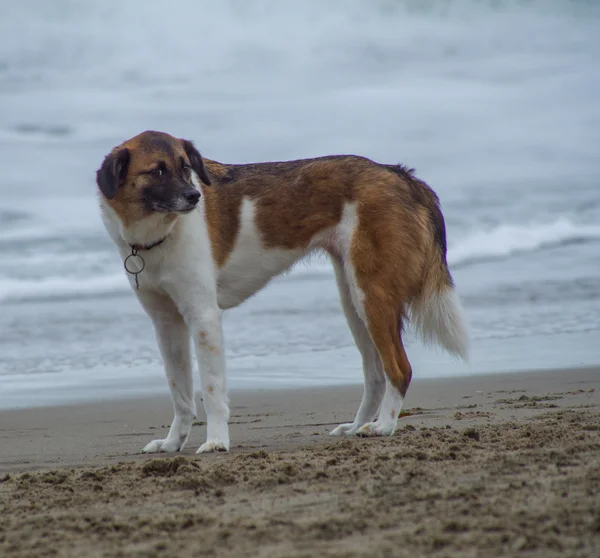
[(198, 237)]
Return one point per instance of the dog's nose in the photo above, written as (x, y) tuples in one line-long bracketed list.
[(192, 196)]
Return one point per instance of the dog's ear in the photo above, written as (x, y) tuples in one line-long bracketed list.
[(113, 172), (196, 161)]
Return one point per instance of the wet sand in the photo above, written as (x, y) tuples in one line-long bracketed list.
[(480, 466)]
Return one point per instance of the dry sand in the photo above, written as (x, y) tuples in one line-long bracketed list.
[(482, 466)]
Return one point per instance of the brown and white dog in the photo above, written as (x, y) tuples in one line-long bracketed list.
[(210, 235)]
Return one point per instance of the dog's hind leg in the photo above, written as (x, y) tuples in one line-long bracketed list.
[(385, 326), (372, 366), (173, 339)]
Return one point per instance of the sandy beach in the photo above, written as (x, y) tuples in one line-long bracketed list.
[(480, 466)]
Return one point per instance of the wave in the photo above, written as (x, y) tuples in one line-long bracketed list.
[(506, 240), (13, 290), (495, 243)]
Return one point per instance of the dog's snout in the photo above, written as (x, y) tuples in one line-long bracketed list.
[(192, 196)]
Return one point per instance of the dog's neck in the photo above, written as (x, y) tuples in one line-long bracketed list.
[(144, 234)]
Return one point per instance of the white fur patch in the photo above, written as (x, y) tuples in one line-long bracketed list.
[(250, 265), (345, 231)]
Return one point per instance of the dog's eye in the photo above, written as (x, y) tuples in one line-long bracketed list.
[(156, 173), (186, 169)]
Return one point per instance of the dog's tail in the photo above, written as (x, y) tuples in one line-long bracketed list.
[(436, 313)]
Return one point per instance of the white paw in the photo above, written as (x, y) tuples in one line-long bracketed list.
[(377, 429), (347, 429), (213, 445), (162, 446)]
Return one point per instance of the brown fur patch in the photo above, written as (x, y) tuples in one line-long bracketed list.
[(297, 199), (294, 200)]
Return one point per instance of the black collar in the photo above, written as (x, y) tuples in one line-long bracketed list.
[(137, 247)]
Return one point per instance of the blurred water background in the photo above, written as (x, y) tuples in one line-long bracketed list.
[(495, 103)]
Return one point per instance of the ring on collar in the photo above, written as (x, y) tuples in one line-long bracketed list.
[(135, 248), (136, 258)]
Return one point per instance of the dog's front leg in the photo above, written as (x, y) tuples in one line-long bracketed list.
[(207, 334), (173, 338)]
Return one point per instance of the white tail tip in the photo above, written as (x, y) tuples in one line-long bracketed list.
[(440, 320)]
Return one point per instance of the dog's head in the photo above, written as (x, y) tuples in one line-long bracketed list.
[(151, 173)]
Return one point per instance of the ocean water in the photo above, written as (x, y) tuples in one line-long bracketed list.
[(495, 103)]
